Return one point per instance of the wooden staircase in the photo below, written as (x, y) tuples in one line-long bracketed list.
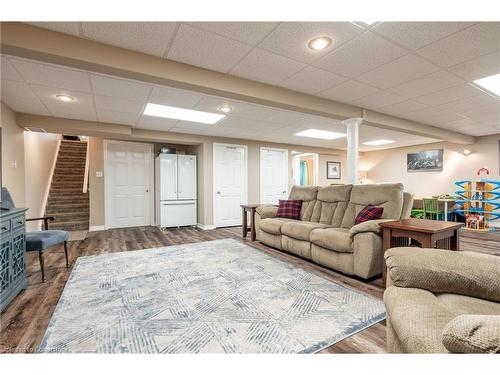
[(66, 200)]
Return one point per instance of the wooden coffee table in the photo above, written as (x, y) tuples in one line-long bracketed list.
[(429, 233)]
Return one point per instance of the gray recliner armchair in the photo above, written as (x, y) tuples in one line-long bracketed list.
[(40, 240)]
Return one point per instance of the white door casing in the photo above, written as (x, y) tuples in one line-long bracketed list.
[(128, 174), (230, 183), (273, 175)]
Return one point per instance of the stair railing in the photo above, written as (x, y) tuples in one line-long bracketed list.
[(87, 162)]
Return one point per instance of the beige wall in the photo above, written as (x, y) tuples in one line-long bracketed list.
[(323, 158), (40, 152), (96, 184), (390, 166), (12, 156)]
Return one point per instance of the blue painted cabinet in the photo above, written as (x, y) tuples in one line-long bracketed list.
[(13, 277)]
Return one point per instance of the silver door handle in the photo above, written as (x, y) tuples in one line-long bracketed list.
[(218, 192), (147, 190)]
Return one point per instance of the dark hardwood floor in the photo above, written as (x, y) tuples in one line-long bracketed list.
[(23, 323)]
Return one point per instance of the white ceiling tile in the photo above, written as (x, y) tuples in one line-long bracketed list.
[(467, 44), (481, 67), (348, 91), (365, 52), (312, 80), (428, 84), (192, 125), (288, 118), (207, 50), (267, 67), (236, 123), (491, 117), (398, 71), (52, 75), (413, 35), (151, 38), (7, 70), (470, 104), (174, 97), (16, 89), (482, 131), (120, 88), (25, 105), (247, 32), (402, 107), (156, 123), (379, 99), (450, 94), (240, 109), (82, 108), (71, 28), (290, 39), (115, 117), (117, 104)]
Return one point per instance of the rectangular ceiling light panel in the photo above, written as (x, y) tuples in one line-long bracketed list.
[(183, 114), (321, 134), (490, 84), (378, 142)]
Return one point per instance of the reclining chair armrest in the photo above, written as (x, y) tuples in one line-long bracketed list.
[(445, 271), (368, 226), (473, 334), (267, 211)]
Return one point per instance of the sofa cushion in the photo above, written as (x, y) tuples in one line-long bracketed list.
[(289, 208), (473, 334), (460, 305), (336, 239), (368, 213), (307, 194), (388, 196), (273, 225), (331, 204), (300, 230)]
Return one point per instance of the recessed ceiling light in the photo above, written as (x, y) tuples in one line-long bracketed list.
[(319, 43), (225, 108), (467, 151), (490, 84), (65, 98), (378, 142), (321, 134), (176, 113)]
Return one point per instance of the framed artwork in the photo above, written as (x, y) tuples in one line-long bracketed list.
[(333, 170), (425, 161)]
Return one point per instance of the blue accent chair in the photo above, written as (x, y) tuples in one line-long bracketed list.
[(40, 240)]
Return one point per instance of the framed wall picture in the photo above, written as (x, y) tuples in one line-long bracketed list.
[(425, 161), (333, 170)]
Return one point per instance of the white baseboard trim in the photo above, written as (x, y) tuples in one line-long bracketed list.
[(205, 226), (97, 228)]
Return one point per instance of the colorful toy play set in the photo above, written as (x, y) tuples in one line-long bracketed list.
[(480, 200)]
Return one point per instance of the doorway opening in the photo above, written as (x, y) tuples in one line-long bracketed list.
[(305, 168)]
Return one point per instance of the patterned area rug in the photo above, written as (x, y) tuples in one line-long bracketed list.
[(211, 297)]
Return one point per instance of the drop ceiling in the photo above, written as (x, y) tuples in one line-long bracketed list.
[(30, 86), (421, 71)]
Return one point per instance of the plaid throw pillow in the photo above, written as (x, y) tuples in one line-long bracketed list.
[(289, 209), (369, 213)]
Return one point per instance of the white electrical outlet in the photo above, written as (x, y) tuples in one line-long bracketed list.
[(98, 173)]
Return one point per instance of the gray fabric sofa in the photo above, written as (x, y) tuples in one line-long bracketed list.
[(441, 301), (326, 233)]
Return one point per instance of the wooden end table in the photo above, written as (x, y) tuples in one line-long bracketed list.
[(245, 208), (429, 233)]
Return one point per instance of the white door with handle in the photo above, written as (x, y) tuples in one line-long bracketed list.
[(128, 184), (230, 183), (273, 175), (168, 176)]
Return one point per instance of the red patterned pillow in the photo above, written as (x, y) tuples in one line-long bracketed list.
[(369, 213), (289, 209)]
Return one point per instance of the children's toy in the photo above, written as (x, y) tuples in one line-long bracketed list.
[(480, 200)]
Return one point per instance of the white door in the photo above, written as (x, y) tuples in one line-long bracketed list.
[(128, 184), (273, 175), (230, 184), (168, 177), (186, 176)]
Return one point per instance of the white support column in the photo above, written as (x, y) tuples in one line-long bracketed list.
[(352, 125)]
